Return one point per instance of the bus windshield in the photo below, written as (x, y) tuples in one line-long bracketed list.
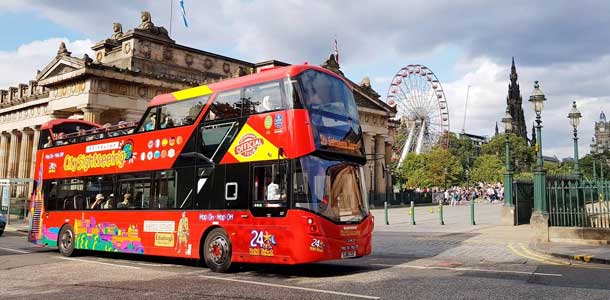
[(333, 112), (331, 188)]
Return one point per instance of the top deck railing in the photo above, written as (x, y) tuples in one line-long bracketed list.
[(95, 133)]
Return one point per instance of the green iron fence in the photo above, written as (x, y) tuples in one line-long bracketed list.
[(573, 202)]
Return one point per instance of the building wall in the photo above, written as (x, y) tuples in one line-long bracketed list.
[(601, 141)]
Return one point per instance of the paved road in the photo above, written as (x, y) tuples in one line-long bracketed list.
[(455, 261)]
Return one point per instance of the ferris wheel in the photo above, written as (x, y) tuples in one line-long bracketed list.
[(421, 109)]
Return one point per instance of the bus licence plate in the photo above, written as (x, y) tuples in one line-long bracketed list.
[(348, 254)]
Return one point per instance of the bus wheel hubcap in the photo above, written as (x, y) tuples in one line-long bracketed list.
[(66, 240), (218, 249)]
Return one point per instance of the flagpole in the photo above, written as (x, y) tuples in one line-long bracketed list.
[(171, 15)]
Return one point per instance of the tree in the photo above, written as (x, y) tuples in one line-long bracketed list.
[(602, 163), (487, 168), (522, 156), (428, 169), (463, 149)]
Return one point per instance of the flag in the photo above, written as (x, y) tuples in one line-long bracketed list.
[(336, 51), (186, 23)]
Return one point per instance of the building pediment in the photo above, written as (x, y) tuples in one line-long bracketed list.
[(60, 65)]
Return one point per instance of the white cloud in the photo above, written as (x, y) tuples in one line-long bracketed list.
[(377, 38), (561, 85), (20, 65)]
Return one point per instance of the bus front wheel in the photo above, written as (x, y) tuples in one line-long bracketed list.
[(217, 251), (66, 241)]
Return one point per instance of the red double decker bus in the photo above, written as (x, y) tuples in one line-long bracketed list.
[(265, 168)]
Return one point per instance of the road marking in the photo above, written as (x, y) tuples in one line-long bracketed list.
[(290, 287), (15, 250), (519, 253), (99, 262), (151, 264), (471, 270), (541, 256)]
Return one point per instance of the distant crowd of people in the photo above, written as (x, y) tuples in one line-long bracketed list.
[(456, 195), (493, 193)]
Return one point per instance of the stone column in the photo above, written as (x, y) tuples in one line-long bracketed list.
[(368, 148), (13, 157), (92, 114), (380, 183), (25, 157), (4, 142), (35, 141), (388, 162)]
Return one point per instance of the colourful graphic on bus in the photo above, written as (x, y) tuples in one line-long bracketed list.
[(106, 236)]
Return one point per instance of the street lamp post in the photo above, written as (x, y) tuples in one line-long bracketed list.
[(537, 100), (574, 117), (508, 175), (467, 175)]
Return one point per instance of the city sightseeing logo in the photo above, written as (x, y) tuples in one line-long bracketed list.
[(247, 145), (84, 162)]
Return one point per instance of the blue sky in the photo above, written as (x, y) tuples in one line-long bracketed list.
[(468, 42), (26, 26)]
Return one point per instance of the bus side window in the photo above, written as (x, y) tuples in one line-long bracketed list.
[(269, 188), (227, 105), (262, 97), (149, 122), (134, 190), (212, 137), (165, 185), (45, 140)]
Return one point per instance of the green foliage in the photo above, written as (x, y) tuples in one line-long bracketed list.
[(602, 163), (523, 176), (487, 168), (431, 169), (556, 169), (522, 156), (463, 149)]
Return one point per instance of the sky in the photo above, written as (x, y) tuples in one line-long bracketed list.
[(562, 44)]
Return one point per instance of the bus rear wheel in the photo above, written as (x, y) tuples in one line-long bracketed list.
[(66, 241), (217, 250)]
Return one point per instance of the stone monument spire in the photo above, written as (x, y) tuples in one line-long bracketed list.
[(514, 102), (533, 140)]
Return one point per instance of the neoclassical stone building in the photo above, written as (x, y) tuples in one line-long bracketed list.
[(127, 70), (601, 141)]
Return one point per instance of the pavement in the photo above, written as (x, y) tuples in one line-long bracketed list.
[(456, 220), (19, 225)]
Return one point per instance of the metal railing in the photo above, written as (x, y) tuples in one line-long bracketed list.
[(400, 198), (578, 203)]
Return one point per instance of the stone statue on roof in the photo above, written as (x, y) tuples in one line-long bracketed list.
[(63, 50), (117, 28), (332, 64), (366, 87), (148, 25)]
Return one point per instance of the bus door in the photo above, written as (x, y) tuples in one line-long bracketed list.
[(214, 140), (269, 188)]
